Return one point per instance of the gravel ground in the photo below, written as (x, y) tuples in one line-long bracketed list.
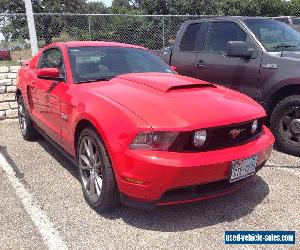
[(270, 202)]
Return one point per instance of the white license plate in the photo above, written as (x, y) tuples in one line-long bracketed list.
[(241, 169)]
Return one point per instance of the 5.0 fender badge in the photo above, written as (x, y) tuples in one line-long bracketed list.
[(270, 66), (64, 116)]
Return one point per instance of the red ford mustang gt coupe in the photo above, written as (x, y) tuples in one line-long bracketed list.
[(139, 132)]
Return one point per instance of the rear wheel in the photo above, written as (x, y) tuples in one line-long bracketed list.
[(26, 125), (285, 125), (95, 171)]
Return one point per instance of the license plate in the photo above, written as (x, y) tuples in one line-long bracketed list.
[(243, 168)]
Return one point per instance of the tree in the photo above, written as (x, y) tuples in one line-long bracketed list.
[(47, 26), (120, 3), (95, 8), (183, 7)]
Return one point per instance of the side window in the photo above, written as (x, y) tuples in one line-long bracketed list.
[(52, 58), (188, 42), (220, 33)]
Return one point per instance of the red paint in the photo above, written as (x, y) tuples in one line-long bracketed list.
[(48, 72), (173, 68), (128, 104)]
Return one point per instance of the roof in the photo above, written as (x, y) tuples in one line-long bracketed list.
[(242, 18), (100, 43)]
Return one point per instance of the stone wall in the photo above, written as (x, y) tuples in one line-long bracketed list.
[(8, 104)]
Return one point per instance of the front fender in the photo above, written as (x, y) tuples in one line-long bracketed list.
[(282, 84), (115, 123)]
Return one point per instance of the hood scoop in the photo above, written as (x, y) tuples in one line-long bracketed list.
[(165, 82), (191, 86)]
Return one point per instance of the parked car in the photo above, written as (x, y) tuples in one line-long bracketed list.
[(256, 56), (5, 54), (137, 130), (291, 21)]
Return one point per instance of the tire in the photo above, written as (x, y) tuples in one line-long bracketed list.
[(285, 125), (26, 126), (92, 166)]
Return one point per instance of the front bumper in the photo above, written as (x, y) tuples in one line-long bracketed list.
[(161, 173)]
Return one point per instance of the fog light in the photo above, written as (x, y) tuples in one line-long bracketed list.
[(199, 138), (254, 127)]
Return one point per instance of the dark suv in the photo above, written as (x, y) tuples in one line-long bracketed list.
[(257, 56)]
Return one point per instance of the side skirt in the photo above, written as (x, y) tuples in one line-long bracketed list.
[(56, 146)]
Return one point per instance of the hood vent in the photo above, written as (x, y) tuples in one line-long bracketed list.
[(191, 86)]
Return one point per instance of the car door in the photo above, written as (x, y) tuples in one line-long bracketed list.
[(49, 94), (233, 72), (185, 52)]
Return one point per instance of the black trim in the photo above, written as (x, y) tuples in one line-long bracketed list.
[(125, 200), (217, 137), (196, 192), (204, 190)]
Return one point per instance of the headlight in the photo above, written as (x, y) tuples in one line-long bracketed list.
[(199, 138), (254, 126), (154, 140)]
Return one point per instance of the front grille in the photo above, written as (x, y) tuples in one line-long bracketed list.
[(204, 190), (217, 138)]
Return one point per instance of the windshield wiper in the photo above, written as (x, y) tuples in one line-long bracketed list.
[(283, 46), (104, 78)]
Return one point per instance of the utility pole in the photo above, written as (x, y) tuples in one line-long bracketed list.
[(31, 27)]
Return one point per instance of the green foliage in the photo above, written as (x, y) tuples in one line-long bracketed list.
[(140, 30), (15, 27)]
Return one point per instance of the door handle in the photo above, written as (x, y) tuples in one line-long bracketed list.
[(200, 64)]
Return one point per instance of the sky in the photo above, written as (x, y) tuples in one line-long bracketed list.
[(106, 2)]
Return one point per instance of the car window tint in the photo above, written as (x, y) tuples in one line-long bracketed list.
[(91, 63), (220, 33), (52, 58), (273, 34), (188, 42)]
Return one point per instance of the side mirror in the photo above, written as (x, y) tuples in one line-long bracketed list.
[(239, 49), (49, 74)]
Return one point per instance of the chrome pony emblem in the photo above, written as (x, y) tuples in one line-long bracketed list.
[(235, 132)]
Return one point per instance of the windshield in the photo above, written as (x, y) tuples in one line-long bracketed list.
[(103, 63), (274, 35)]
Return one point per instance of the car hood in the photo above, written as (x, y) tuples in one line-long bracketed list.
[(291, 54), (170, 101)]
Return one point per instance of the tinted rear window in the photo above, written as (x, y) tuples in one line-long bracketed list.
[(188, 42)]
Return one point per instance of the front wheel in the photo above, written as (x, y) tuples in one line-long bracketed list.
[(95, 171), (285, 125)]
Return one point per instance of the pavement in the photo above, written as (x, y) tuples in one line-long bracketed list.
[(42, 206)]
